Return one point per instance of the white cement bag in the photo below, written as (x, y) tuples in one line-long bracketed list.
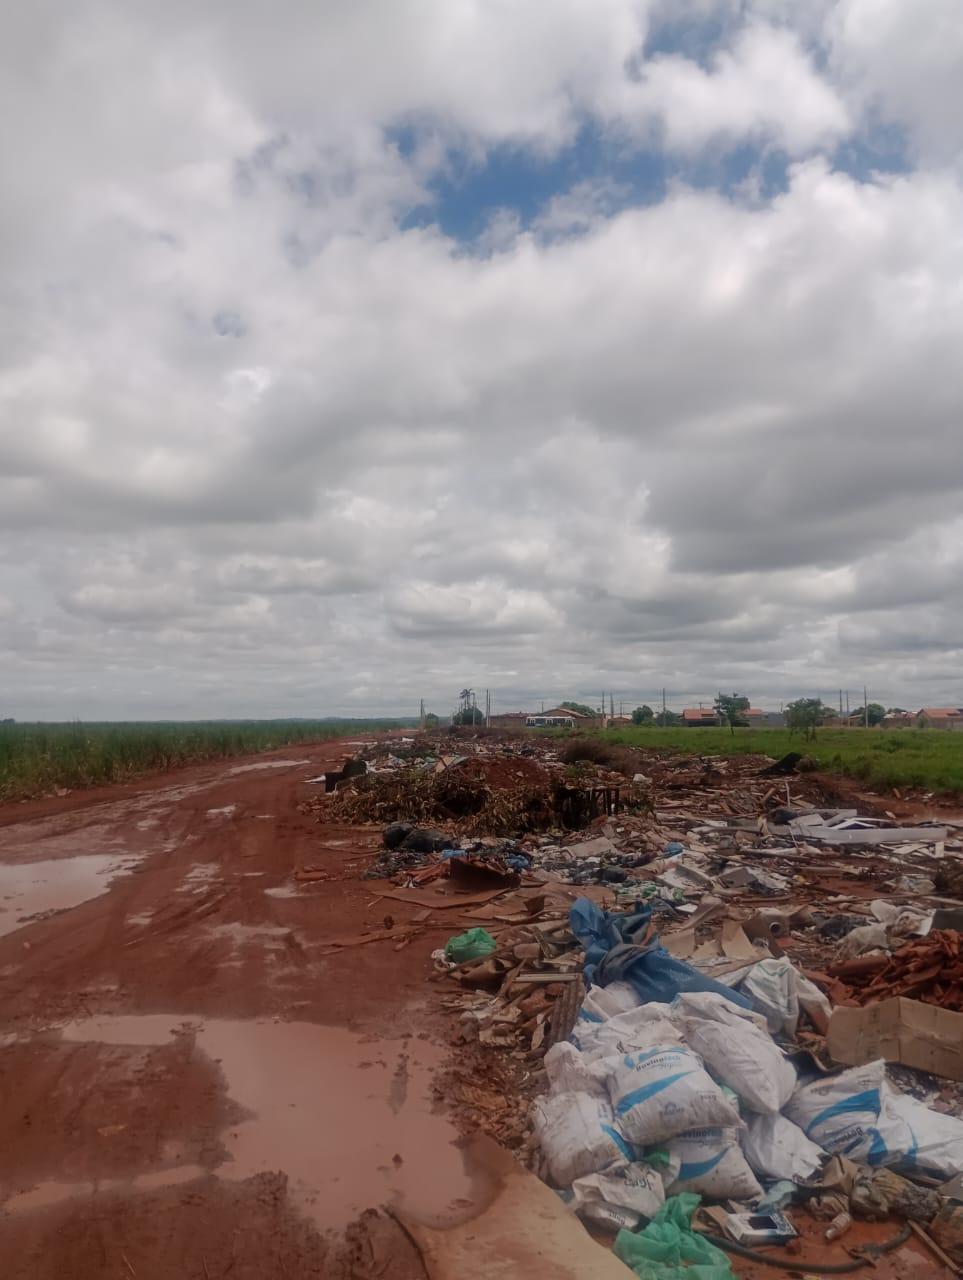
[(745, 1059), (712, 1164), (848, 1115), (570, 1071), (710, 1006), (776, 1148), (578, 1135), (620, 1198), (599, 1005), (632, 1032), (590, 1018), (616, 998), (778, 991), (664, 1091), (937, 1140), (862, 939), (665, 1164), (900, 920), (811, 1000)]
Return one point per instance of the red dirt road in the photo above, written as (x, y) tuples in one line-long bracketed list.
[(192, 1083)]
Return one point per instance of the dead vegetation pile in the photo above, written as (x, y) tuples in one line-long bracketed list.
[(493, 795), (426, 798), (591, 749)]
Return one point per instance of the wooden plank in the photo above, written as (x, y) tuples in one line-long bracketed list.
[(440, 901), (891, 835), (536, 979)]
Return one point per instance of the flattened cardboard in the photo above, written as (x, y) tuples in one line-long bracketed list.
[(680, 944), (735, 944), (917, 1035)]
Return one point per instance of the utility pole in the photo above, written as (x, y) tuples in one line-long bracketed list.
[(611, 705), (847, 704), (840, 704), (663, 707), (421, 714), (865, 709)]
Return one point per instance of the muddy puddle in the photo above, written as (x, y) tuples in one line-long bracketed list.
[(30, 888), (349, 1120), (266, 764)]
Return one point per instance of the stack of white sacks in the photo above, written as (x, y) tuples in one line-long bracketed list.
[(653, 1100)]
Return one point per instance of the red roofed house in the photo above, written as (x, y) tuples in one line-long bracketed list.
[(696, 716), (941, 718)]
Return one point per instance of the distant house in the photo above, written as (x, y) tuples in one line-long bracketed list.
[(753, 717), (577, 717), (699, 716), (941, 718), (898, 720), (757, 719), (509, 720)]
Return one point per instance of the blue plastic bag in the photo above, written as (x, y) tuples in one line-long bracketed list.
[(614, 952)]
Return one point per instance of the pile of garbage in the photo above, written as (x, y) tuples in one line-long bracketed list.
[(673, 1084), (494, 789), (928, 968), (528, 980), (740, 999)]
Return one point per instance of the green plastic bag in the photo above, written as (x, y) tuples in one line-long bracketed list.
[(668, 1248), (473, 945)]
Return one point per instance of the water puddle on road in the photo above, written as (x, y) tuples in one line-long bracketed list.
[(266, 764), (29, 888), (350, 1121), (45, 1194)]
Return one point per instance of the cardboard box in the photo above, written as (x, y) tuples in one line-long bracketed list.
[(900, 1030)]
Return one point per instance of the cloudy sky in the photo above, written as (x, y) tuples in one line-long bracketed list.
[(354, 351)]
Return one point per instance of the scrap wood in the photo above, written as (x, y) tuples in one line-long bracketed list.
[(406, 932), (531, 979), (858, 967), (926, 1239), (838, 992), (438, 900), (929, 969)]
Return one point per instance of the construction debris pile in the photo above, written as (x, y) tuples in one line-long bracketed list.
[(928, 968), (493, 791), (685, 980)]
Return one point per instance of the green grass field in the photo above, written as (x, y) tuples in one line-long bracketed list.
[(926, 758), (37, 758)]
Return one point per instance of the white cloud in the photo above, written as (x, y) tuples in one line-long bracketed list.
[(263, 450), (764, 87), (904, 62)]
